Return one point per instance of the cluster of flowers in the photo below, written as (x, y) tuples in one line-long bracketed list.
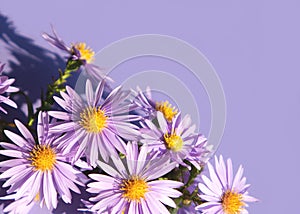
[(135, 155)]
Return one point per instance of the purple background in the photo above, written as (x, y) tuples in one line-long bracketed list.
[(254, 47)]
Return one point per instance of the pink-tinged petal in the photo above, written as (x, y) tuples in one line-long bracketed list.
[(126, 118), (12, 89), (108, 169), (111, 96), (99, 92), (204, 189), (71, 140), (145, 209), (70, 183), (186, 122), (16, 138), (52, 190), (27, 185), (217, 186), (63, 127), (119, 165), (238, 177), (221, 171), (189, 131), (118, 206), (166, 183), (102, 178), (126, 130), (61, 187), (93, 154), (152, 203), (10, 103), (208, 205), (160, 172), (66, 170), (248, 198), (60, 115), (11, 153), (37, 185), (106, 202), (166, 191), (164, 199), (9, 146), (229, 173), (46, 191), (11, 163), (17, 177), (162, 208), (162, 122), (132, 156), (43, 127), (101, 140), (132, 207), (117, 142), (12, 171), (209, 198), (89, 92), (24, 131), (216, 190), (141, 159), (60, 102)]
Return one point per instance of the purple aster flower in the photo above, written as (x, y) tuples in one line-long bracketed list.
[(148, 108), (5, 87), (79, 51), (38, 171), (133, 187), (223, 193), (97, 125), (176, 140)]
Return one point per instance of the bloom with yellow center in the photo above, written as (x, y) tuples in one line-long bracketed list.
[(133, 188), (43, 157), (173, 142), (167, 109), (224, 193), (93, 119), (86, 53), (42, 173), (78, 52), (98, 123), (176, 140), (232, 202)]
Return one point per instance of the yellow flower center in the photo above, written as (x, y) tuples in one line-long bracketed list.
[(173, 142), (232, 202), (86, 53), (93, 119), (37, 197), (134, 189), (166, 108), (43, 157)]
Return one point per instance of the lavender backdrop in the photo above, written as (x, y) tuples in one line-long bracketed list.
[(253, 45)]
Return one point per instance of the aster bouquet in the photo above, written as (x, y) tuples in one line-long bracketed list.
[(122, 150)]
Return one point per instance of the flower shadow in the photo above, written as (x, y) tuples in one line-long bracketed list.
[(33, 67)]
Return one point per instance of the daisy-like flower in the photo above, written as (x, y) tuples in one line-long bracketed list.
[(97, 125), (38, 171), (78, 51), (176, 140), (133, 188), (5, 87), (149, 108), (223, 193)]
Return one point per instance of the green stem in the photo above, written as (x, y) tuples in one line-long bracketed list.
[(54, 88)]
